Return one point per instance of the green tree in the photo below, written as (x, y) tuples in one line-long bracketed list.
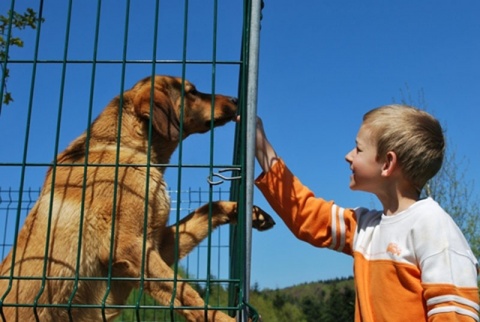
[(290, 312), (340, 306), (279, 299), (312, 307), (13, 20), (264, 306)]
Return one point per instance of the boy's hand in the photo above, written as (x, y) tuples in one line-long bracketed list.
[(264, 152)]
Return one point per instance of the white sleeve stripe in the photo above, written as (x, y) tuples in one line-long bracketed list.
[(341, 219), (334, 228), (453, 298), (341, 231), (456, 309)]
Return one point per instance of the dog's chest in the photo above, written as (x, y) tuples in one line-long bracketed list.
[(159, 203)]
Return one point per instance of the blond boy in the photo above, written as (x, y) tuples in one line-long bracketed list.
[(411, 261)]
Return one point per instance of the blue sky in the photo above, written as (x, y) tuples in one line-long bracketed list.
[(323, 64)]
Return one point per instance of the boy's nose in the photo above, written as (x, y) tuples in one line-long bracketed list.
[(348, 157)]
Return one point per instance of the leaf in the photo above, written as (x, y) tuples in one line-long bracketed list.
[(13, 20), (15, 41), (7, 98)]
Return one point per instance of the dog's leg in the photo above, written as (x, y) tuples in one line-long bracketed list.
[(185, 295), (159, 284), (194, 228)]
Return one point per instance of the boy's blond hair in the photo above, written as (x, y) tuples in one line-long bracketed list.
[(414, 135)]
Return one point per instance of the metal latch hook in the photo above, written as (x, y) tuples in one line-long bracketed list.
[(222, 177)]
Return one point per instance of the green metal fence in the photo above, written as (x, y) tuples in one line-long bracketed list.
[(84, 53)]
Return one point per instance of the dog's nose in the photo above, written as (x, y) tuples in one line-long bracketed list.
[(234, 100)]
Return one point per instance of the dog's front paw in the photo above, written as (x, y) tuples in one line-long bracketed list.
[(261, 220)]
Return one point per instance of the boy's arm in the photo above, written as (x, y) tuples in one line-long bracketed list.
[(264, 152), (451, 303), (311, 219), (449, 271), (453, 300), (320, 223)]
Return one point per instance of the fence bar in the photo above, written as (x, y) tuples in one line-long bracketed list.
[(252, 84)]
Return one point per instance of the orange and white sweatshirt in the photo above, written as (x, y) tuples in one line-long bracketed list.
[(413, 266)]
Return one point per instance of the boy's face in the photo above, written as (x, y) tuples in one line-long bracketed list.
[(366, 169)]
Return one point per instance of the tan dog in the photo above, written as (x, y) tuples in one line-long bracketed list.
[(83, 205)]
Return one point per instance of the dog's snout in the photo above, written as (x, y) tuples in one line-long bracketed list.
[(234, 100)]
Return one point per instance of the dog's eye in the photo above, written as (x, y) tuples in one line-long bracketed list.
[(193, 91)]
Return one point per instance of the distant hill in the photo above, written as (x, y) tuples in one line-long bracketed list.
[(323, 301)]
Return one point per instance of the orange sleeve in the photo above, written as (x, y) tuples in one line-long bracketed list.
[(450, 303), (314, 220)]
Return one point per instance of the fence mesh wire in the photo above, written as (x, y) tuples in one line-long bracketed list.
[(82, 54)]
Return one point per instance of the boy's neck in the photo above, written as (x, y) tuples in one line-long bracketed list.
[(398, 200), (396, 206)]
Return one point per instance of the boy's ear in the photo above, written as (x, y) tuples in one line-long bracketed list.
[(390, 164)]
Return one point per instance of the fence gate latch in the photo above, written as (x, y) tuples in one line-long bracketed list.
[(222, 177)]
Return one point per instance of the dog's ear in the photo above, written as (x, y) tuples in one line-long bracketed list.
[(162, 112)]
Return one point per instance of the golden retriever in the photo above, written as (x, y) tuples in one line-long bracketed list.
[(79, 253)]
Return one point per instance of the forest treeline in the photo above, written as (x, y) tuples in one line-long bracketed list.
[(331, 300)]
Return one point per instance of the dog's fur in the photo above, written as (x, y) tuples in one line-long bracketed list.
[(84, 205)]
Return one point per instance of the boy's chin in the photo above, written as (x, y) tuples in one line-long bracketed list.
[(355, 187), (352, 185)]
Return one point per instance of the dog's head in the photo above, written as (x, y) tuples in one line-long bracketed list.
[(176, 109)]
